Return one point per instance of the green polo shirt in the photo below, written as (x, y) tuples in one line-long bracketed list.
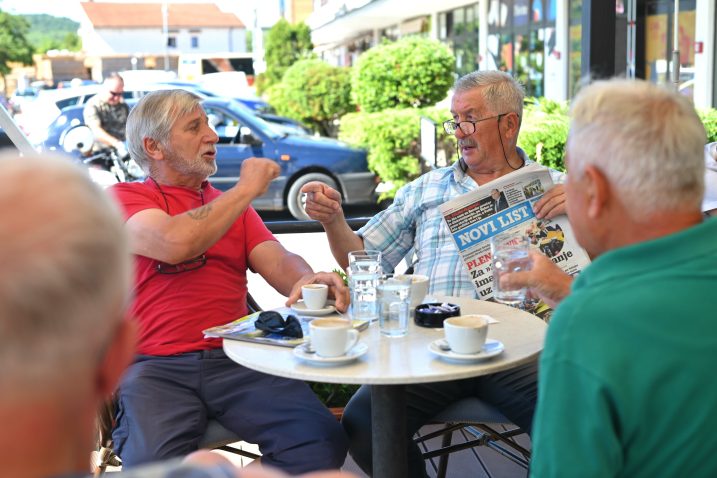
[(627, 379)]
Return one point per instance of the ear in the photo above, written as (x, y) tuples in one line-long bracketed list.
[(118, 356), (597, 191), (153, 148), (511, 125)]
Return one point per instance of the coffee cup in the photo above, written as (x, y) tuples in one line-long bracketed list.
[(419, 288), (315, 295), (332, 336), (466, 334)]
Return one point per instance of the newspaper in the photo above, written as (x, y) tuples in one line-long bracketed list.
[(506, 204)]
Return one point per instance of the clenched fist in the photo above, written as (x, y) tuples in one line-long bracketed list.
[(256, 174)]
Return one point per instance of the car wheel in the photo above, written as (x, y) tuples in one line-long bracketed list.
[(295, 200)]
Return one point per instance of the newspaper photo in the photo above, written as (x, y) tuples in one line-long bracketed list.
[(506, 205)]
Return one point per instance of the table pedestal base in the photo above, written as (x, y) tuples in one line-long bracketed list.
[(388, 416)]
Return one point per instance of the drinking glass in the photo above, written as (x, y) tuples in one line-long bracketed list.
[(363, 273), (509, 254), (394, 304)]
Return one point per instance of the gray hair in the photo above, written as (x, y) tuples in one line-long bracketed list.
[(502, 93), (153, 117), (65, 275), (646, 139)]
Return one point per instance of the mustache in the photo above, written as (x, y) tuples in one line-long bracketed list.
[(467, 142)]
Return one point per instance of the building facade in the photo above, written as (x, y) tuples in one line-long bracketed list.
[(123, 36), (538, 41)]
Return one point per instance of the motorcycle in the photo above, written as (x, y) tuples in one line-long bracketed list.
[(107, 166)]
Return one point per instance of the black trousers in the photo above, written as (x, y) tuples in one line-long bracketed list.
[(513, 392)]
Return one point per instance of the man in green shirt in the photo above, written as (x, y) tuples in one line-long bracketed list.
[(626, 386)]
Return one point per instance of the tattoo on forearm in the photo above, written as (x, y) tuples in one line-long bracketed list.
[(200, 213)]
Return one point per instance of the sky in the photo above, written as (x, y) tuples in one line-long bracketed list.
[(71, 8)]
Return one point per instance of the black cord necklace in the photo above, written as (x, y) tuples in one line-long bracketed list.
[(166, 204)]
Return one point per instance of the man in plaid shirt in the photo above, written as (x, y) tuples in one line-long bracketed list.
[(487, 108)]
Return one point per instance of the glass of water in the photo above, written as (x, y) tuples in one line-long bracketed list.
[(394, 305), (363, 273), (510, 253)]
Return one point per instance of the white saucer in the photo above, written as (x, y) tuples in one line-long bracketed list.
[(300, 308), (491, 348), (315, 359)]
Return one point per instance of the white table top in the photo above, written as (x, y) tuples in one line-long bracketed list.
[(405, 360)]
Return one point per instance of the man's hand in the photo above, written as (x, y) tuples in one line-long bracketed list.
[(545, 279), (256, 174), (551, 204), (337, 288), (323, 203)]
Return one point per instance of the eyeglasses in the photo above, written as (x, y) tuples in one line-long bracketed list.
[(116, 93), (467, 127), (186, 266)]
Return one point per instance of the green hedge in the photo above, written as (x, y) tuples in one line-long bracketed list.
[(709, 119), (315, 93), (412, 72), (544, 131), (392, 138)]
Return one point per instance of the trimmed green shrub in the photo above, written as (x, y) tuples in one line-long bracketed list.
[(392, 138), (315, 93), (411, 72), (544, 132), (285, 44), (709, 119)]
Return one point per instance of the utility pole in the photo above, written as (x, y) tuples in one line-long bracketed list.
[(165, 34), (676, 47)]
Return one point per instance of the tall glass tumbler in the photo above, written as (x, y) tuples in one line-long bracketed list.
[(509, 254), (363, 273), (394, 304)]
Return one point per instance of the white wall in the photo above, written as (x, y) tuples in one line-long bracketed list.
[(152, 41)]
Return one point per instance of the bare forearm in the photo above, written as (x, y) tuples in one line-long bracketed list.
[(184, 236), (287, 272), (342, 240)]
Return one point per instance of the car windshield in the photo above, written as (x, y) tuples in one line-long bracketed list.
[(252, 120)]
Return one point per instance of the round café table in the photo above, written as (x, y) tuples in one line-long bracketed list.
[(393, 362)]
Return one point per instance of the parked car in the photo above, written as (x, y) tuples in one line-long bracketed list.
[(243, 134)]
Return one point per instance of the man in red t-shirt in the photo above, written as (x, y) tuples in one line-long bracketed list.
[(193, 245)]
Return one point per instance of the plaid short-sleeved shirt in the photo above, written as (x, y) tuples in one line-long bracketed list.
[(413, 224)]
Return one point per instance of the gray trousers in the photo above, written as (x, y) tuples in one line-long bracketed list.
[(164, 404)]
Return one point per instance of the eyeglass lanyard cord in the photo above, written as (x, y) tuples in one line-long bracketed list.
[(166, 204)]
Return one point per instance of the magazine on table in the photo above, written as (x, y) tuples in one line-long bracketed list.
[(244, 329), (506, 205)]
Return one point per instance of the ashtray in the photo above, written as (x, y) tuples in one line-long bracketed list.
[(434, 313)]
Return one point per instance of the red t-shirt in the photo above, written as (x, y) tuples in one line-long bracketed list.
[(173, 309)]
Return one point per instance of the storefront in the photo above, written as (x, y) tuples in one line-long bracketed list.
[(540, 41)]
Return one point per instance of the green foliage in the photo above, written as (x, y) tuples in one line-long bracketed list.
[(544, 131), (709, 119), (14, 46), (343, 276), (315, 93), (333, 394), (52, 33), (285, 44), (392, 138), (411, 72)]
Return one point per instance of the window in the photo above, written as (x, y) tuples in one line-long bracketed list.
[(172, 42), (195, 41)]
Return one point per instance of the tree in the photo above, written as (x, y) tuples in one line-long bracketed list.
[(285, 44), (14, 46), (314, 92), (412, 72)]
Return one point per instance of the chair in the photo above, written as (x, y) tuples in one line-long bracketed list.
[(216, 437), (470, 416)]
